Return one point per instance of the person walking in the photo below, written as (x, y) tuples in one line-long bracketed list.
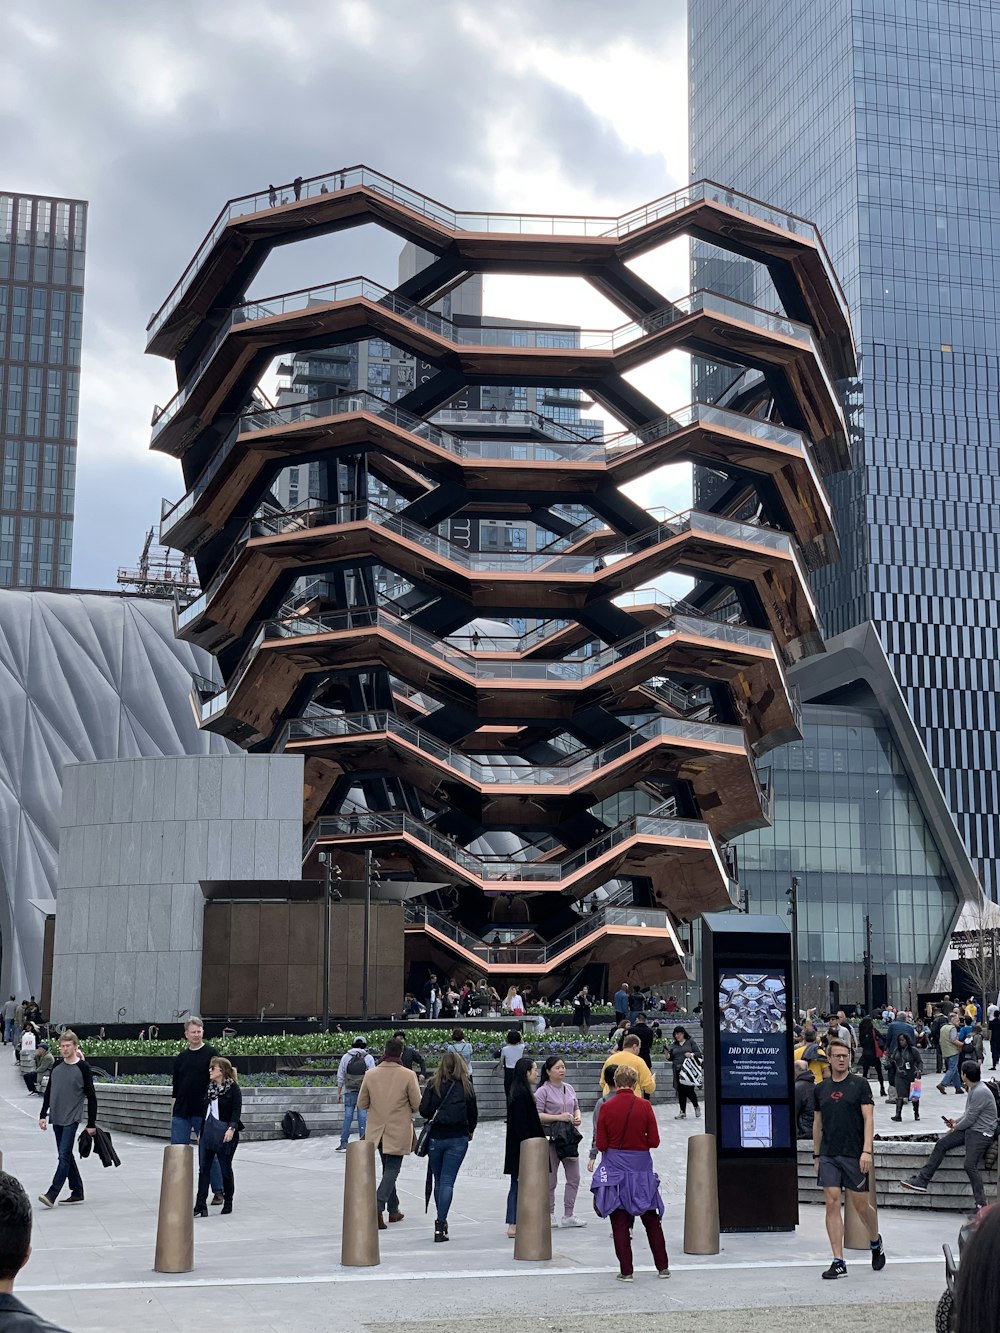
[(951, 1048), (411, 1058), (354, 1065), (871, 1045), (843, 1134), (582, 1004), (805, 1100), (641, 1029), (432, 996), (69, 1092), (449, 1101), (510, 1053), (559, 1112), (629, 1055), (462, 1048), (681, 1049), (522, 1123), (907, 1067), (189, 1084), (934, 1035), (297, 187), (220, 1133), (994, 1030), (625, 1185), (27, 1058), (9, 1010), (390, 1094), (621, 1003), (974, 1132)]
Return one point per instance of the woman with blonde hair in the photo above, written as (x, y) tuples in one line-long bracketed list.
[(449, 1104), (220, 1132), (625, 1185)]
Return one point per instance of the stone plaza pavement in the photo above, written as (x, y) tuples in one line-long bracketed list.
[(274, 1264)]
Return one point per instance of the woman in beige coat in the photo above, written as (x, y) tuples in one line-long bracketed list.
[(390, 1094)]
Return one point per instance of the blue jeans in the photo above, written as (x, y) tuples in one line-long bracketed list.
[(512, 1202), (215, 1153), (181, 1129), (350, 1107), (66, 1168), (951, 1079), (8, 1030), (445, 1157)]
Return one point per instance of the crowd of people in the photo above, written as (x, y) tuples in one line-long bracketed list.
[(476, 998)]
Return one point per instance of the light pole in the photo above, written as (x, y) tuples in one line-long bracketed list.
[(371, 872), (330, 895), (869, 986), (792, 894)]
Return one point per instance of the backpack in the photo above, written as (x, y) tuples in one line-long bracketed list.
[(293, 1126), (357, 1068), (994, 1087)]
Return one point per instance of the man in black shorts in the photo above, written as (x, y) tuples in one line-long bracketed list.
[(843, 1129)]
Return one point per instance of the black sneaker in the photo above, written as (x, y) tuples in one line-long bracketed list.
[(878, 1255), (73, 1198), (915, 1185), (837, 1269)]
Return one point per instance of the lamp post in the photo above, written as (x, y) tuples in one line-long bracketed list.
[(792, 894), (869, 985), (371, 872), (330, 895)]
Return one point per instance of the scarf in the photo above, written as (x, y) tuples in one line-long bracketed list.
[(219, 1089)]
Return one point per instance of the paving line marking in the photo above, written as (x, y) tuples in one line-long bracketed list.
[(573, 1270)]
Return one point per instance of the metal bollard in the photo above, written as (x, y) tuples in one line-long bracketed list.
[(175, 1223), (533, 1239), (359, 1238), (701, 1197), (855, 1232)]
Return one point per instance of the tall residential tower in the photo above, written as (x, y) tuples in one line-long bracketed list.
[(42, 245), (878, 120)]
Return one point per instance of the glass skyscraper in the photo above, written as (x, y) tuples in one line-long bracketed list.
[(878, 120), (42, 248)]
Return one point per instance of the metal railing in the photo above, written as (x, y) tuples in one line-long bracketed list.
[(605, 340), (455, 220), (514, 953)]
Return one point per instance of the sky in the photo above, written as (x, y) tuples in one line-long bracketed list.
[(159, 113)]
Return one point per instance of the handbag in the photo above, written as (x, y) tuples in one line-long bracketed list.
[(566, 1140), (691, 1073), (424, 1138), (915, 1090)]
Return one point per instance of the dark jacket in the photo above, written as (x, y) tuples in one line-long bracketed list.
[(641, 1029), (906, 1064), (805, 1104), (15, 1317), (102, 1145), (411, 1058), (230, 1107), (458, 1116), (680, 1050), (522, 1123)]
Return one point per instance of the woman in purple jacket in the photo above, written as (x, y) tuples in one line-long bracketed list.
[(556, 1102)]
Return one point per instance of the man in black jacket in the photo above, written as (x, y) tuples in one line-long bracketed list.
[(70, 1088), (411, 1057), (15, 1250), (188, 1089), (641, 1029)]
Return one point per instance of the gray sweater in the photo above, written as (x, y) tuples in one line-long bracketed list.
[(980, 1111)]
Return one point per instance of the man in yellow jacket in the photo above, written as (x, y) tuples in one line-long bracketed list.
[(390, 1094), (628, 1055)]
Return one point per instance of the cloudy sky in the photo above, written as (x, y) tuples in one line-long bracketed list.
[(157, 113)]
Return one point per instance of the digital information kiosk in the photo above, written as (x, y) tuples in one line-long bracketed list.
[(749, 1094)]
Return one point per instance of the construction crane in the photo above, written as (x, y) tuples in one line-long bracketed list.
[(161, 572)]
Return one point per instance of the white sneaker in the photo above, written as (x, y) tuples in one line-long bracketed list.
[(553, 1220), (682, 1116), (573, 1222)]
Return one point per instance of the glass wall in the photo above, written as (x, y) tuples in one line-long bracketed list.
[(878, 120), (848, 824)]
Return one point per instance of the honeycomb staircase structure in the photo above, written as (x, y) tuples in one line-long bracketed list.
[(542, 748)]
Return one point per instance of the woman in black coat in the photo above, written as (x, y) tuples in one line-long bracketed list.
[(869, 1040), (220, 1132), (522, 1123)]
